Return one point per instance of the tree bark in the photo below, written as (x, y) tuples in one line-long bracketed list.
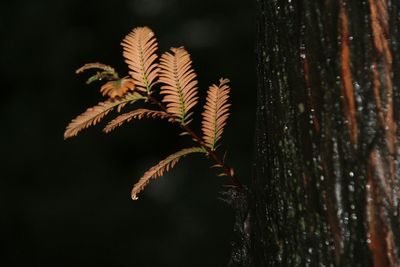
[(326, 186)]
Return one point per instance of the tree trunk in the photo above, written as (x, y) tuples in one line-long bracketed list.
[(326, 185)]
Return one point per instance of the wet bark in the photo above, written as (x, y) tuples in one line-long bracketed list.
[(326, 185)]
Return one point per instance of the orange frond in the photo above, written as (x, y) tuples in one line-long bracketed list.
[(163, 166), (140, 47), (216, 113), (136, 114), (179, 83), (94, 114)]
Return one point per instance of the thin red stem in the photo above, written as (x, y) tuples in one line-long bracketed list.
[(212, 153)]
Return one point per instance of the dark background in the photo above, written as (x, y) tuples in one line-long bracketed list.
[(67, 203)]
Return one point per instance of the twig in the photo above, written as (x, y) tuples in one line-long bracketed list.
[(213, 154)]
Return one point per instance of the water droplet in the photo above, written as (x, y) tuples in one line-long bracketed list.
[(359, 103), (301, 107), (351, 188), (328, 60)]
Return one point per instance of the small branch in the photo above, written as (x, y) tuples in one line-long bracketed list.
[(212, 153)]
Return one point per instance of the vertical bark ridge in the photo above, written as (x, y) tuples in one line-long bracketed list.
[(349, 103), (383, 176)]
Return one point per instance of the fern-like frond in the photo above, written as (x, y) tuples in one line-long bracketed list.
[(136, 114), (94, 114), (163, 166), (107, 72), (179, 83), (95, 65), (216, 113), (140, 47), (117, 87)]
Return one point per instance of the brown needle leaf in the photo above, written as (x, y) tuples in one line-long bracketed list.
[(94, 114), (163, 166), (140, 47), (179, 83), (136, 114), (216, 112)]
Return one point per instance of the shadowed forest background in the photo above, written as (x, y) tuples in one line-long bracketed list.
[(67, 203)]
